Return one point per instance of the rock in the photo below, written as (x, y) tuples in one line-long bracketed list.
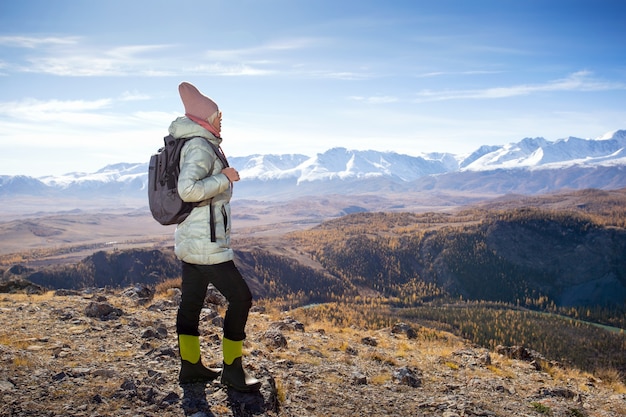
[(79, 372), (518, 352), (151, 333), (275, 339), (208, 313), (162, 331), (104, 373), (405, 329), (142, 294), (148, 394), (166, 351), (170, 398), (370, 341), (400, 328), (407, 376), (558, 392), (257, 309), (359, 379), (288, 324), (102, 311), (312, 352), (217, 321), (128, 385), (6, 386), (14, 286), (162, 305), (59, 377), (213, 296), (352, 351)]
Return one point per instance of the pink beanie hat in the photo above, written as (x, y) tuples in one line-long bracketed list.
[(196, 104)]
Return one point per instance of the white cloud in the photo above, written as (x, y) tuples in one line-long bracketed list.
[(51, 110), (227, 70), (375, 99), (134, 96), (447, 73), (77, 62), (245, 54), (579, 81), (32, 42), (337, 75), (76, 57), (73, 57), (71, 120)]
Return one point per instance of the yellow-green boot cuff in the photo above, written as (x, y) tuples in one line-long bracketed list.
[(231, 350), (189, 347)]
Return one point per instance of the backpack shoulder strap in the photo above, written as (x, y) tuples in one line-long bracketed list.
[(209, 202), (220, 154)]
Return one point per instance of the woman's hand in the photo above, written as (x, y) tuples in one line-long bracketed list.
[(231, 173)]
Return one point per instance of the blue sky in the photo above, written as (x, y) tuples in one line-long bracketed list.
[(85, 83)]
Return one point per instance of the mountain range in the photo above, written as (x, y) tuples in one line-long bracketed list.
[(532, 165)]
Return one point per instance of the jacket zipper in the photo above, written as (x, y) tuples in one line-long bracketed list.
[(225, 218)]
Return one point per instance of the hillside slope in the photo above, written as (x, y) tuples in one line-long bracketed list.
[(114, 353), (515, 255)]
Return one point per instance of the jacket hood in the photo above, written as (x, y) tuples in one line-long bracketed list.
[(183, 127)]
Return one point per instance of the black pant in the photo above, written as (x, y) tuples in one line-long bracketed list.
[(228, 280)]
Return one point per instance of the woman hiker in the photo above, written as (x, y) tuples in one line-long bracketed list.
[(202, 243)]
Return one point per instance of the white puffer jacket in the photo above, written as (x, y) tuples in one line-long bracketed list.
[(201, 179)]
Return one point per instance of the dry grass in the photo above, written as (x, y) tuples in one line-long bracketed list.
[(23, 362), (29, 298), (501, 371), (379, 379), (613, 379), (452, 365), (163, 289), (12, 340)]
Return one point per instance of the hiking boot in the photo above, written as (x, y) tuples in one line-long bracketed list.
[(236, 377), (196, 372)]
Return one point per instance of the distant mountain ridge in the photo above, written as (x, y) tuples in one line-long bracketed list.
[(557, 164)]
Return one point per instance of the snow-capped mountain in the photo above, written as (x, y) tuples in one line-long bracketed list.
[(529, 153), (120, 173), (565, 163), (342, 164), (539, 153)]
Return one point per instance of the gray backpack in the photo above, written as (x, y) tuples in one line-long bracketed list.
[(165, 203)]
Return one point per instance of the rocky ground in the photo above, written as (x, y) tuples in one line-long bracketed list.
[(114, 353)]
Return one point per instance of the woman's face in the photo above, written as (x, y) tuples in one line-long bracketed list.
[(217, 122)]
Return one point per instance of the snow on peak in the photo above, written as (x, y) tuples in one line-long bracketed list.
[(122, 172), (341, 164), (615, 135), (345, 164), (540, 153)]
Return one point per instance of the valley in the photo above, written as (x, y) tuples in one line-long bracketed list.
[(64, 229)]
